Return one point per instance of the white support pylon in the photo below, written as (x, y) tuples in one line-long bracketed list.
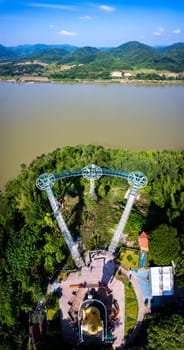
[(92, 187), (118, 234), (64, 229)]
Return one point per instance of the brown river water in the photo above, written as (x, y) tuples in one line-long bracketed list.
[(37, 118)]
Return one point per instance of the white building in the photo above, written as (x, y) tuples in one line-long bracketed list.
[(116, 74), (162, 281), (127, 74)]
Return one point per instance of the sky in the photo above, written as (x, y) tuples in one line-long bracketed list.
[(97, 23)]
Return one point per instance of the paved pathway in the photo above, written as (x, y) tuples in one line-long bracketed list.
[(119, 294), (102, 269)]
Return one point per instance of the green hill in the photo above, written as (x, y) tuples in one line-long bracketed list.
[(5, 53), (25, 51), (132, 55), (81, 56), (173, 56), (136, 54), (49, 55)]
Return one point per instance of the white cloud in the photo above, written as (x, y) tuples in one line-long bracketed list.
[(86, 18), (159, 32), (107, 8), (156, 33), (66, 33), (51, 25), (50, 6), (162, 31), (176, 31)]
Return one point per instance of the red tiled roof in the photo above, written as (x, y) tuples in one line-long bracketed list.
[(143, 241)]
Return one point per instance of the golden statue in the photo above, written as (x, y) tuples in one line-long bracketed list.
[(92, 322)]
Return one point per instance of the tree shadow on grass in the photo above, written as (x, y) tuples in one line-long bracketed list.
[(155, 217)]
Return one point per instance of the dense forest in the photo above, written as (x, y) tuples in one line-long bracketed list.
[(69, 63), (32, 247)]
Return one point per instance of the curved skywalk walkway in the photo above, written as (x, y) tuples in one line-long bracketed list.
[(91, 172)]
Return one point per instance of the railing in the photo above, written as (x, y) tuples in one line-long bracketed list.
[(92, 172)]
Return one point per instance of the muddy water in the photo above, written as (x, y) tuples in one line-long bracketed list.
[(37, 118)]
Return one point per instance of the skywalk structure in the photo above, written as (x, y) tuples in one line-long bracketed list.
[(92, 172)]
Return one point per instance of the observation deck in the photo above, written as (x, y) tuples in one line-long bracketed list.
[(92, 173)]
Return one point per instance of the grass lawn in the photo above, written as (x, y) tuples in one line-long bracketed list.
[(131, 307), (129, 258)]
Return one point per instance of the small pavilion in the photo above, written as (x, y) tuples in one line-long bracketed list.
[(143, 242)]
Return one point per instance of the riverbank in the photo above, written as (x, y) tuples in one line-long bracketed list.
[(34, 79)]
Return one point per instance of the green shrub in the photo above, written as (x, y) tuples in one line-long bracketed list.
[(129, 258)]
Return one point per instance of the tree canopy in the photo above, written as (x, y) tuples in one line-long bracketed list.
[(166, 332), (164, 245), (31, 245)]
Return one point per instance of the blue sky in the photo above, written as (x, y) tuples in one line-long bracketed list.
[(91, 23)]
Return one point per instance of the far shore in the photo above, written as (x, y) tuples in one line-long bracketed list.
[(33, 79)]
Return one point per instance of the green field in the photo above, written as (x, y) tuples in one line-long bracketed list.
[(131, 308), (129, 258)]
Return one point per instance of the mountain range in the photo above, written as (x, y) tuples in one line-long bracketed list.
[(129, 55)]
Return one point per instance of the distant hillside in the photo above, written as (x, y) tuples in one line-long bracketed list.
[(26, 50), (172, 54), (49, 55), (136, 53), (132, 47), (131, 55), (5, 53), (81, 56)]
